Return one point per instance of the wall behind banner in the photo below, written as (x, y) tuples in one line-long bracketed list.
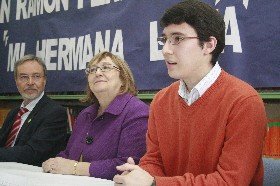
[(66, 34)]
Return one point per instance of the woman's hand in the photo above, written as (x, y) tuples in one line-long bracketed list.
[(59, 165)]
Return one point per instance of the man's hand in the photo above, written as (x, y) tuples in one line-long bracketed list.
[(59, 165), (130, 160), (133, 175)]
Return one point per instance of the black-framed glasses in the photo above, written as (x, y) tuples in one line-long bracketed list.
[(173, 39), (104, 68), (25, 78)]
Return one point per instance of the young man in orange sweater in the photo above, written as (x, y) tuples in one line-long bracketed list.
[(207, 128)]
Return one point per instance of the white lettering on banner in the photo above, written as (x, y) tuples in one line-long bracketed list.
[(99, 45), (5, 10), (155, 52), (80, 4), (101, 2), (21, 9), (41, 53), (74, 53), (231, 21), (245, 3), (31, 9), (5, 37), (68, 53), (56, 5), (16, 51), (87, 52), (37, 7), (117, 47), (51, 43), (63, 51)]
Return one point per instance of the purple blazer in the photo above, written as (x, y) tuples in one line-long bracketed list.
[(117, 134)]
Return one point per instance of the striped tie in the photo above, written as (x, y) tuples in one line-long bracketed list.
[(15, 127)]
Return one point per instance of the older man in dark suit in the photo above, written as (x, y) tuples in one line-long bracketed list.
[(37, 130)]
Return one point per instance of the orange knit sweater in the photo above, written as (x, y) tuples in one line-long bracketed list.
[(218, 140)]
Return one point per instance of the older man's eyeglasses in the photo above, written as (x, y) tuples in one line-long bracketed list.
[(104, 68), (173, 39), (26, 78)]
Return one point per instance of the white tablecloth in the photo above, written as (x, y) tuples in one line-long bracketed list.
[(17, 174)]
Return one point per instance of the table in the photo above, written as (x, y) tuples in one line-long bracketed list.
[(18, 174)]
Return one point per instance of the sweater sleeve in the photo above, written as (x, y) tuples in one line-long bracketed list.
[(152, 161), (241, 153)]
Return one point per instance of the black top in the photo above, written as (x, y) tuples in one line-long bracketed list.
[(42, 136)]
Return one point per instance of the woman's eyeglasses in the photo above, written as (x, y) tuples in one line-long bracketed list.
[(104, 68)]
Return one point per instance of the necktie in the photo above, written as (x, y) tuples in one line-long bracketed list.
[(15, 127)]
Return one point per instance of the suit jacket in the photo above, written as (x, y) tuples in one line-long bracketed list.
[(41, 137)]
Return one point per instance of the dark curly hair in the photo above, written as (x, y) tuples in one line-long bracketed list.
[(204, 19)]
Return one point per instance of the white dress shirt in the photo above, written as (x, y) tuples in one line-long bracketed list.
[(30, 107), (201, 87)]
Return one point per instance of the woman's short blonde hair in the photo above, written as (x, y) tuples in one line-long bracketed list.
[(128, 84)]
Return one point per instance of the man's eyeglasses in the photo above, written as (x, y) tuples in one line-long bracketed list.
[(173, 39), (104, 68), (26, 78)]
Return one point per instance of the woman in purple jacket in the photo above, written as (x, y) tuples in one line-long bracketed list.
[(109, 131)]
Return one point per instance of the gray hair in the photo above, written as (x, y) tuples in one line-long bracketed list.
[(30, 57)]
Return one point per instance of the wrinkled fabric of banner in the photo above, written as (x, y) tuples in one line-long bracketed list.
[(67, 34)]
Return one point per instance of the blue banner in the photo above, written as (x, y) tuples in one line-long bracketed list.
[(67, 34)]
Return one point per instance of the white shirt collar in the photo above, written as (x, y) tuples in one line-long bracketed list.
[(30, 107), (201, 87), (33, 103)]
